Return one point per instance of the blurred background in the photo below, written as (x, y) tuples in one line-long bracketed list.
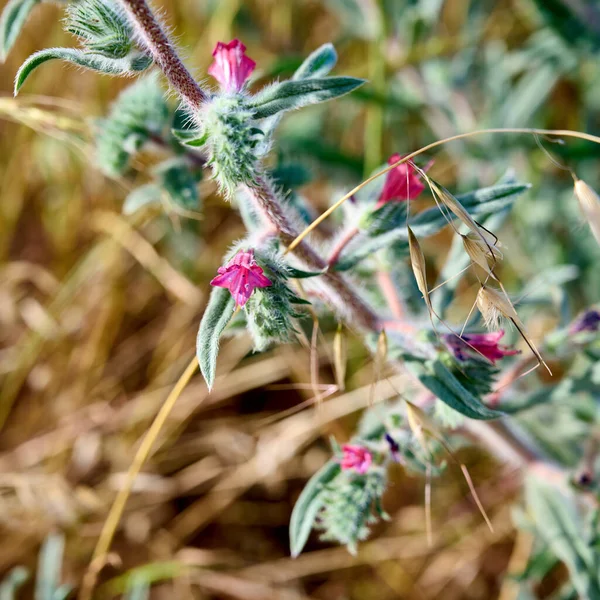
[(99, 311)]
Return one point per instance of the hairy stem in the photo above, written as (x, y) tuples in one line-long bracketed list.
[(348, 236), (267, 202), (163, 52)]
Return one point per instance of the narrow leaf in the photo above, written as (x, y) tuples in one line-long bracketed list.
[(128, 65), (12, 582), (221, 306), (441, 382), (291, 94), (190, 137), (13, 18), (555, 516), (140, 197), (300, 274), (318, 63), (308, 505)]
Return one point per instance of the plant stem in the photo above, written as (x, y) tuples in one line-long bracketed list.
[(116, 510), (163, 52), (267, 202), (341, 244)]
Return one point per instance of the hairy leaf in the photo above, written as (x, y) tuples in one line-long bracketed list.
[(140, 197), (308, 505), (13, 18), (134, 62), (292, 94), (557, 522), (318, 63), (221, 306), (12, 582), (441, 382)]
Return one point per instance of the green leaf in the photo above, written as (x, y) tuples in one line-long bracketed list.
[(140, 197), (308, 505), (318, 63), (13, 18), (299, 274), (134, 62), (557, 522), (441, 382), (49, 567), (221, 306), (388, 217), (180, 182), (292, 94), (12, 582), (190, 137)]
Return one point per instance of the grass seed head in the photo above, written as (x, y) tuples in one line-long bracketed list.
[(589, 202)]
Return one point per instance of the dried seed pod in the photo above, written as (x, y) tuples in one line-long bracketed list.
[(492, 305), (450, 202), (481, 254), (589, 202), (417, 261)]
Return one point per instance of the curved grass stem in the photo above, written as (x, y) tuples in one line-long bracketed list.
[(118, 507), (408, 157)]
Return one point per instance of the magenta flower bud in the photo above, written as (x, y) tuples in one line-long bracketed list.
[(486, 344), (241, 276), (357, 458), (401, 183), (231, 67)]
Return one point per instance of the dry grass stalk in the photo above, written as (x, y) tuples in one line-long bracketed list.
[(340, 357)]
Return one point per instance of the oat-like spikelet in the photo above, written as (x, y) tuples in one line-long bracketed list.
[(493, 305), (417, 261), (589, 202), (484, 255)]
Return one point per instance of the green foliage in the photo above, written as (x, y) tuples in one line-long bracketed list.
[(554, 514), (179, 181), (348, 506), (270, 311), (101, 26), (219, 310), (107, 38), (12, 582), (231, 138), (318, 63), (133, 63), (457, 394), (293, 94), (309, 504), (47, 584), (12, 20), (139, 114)]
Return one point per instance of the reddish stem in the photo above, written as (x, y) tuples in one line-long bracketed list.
[(337, 250)]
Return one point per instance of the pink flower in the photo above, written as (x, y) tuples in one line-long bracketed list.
[(402, 183), (240, 276), (486, 344), (357, 458), (231, 67)]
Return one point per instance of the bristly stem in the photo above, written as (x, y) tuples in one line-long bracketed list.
[(163, 52), (344, 240), (349, 304)]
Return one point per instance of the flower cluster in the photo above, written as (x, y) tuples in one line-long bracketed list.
[(356, 458)]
